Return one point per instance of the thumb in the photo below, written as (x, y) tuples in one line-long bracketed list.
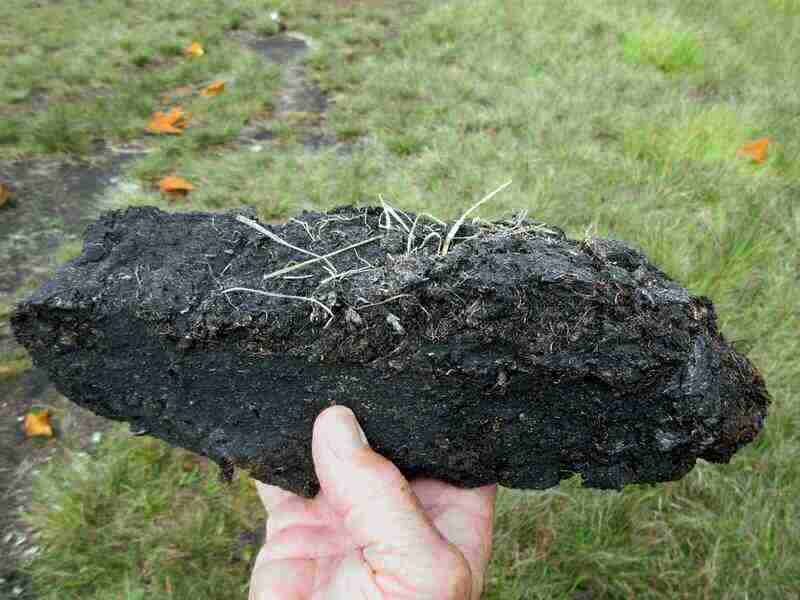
[(373, 498)]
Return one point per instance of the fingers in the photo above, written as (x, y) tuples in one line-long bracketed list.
[(433, 493), (470, 530), (464, 518), (367, 491)]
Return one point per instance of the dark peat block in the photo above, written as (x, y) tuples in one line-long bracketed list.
[(519, 357)]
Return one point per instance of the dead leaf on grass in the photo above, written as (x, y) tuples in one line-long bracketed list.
[(194, 49), (175, 187), (174, 121), (214, 89), (756, 150), (38, 424)]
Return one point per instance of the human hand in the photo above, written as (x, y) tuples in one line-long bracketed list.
[(369, 533)]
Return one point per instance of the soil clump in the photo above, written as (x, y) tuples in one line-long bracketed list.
[(492, 352)]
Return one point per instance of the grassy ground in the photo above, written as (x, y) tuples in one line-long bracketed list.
[(611, 117), (73, 74)]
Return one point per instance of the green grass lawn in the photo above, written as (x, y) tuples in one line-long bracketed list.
[(611, 117)]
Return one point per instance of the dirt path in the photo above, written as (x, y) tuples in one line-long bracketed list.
[(299, 94)]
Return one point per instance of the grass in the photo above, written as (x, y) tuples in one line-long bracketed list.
[(611, 117), (14, 360), (72, 74), (669, 50), (13, 364), (67, 251), (109, 533)]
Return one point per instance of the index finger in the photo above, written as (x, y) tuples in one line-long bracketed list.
[(465, 518)]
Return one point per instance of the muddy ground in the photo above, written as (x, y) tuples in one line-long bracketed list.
[(53, 202)]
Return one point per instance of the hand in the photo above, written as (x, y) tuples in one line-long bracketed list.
[(369, 533)]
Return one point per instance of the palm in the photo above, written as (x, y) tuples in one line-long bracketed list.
[(311, 552)]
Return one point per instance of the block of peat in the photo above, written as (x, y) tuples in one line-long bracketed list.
[(505, 352)]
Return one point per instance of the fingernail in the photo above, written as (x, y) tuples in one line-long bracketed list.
[(344, 434)]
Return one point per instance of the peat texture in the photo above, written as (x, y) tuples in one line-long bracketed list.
[(519, 357)]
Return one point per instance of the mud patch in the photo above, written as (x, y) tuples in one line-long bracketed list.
[(52, 204), (300, 95), (281, 49)]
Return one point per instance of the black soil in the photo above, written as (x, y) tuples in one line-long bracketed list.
[(520, 357)]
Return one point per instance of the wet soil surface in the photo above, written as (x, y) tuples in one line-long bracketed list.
[(299, 94), (52, 204)]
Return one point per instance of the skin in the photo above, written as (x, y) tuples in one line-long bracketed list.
[(370, 534)]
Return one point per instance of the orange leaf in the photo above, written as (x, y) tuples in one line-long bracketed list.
[(172, 122), (175, 187), (214, 89), (195, 49), (38, 424), (757, 150), (5, 194)]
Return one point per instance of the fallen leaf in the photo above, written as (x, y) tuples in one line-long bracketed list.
[(175, 187), (38, 424), (213, 89), (195, 49), (173, 121), (5, 194), (757, 150)]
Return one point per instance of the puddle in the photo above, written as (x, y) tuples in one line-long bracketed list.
[(282, 48), (299, 93)]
